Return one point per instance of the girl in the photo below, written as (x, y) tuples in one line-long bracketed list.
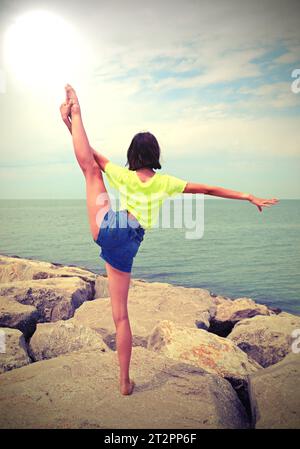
[(120, 233)]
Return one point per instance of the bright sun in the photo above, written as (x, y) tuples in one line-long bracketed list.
[(41, 49)]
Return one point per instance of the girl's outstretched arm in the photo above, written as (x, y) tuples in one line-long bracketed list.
[(192, 187)]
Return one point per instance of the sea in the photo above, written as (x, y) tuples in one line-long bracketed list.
[(240, 253)]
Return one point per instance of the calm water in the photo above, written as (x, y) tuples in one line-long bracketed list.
[(242, 252)]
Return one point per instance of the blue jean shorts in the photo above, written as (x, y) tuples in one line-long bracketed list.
[(119, 238)]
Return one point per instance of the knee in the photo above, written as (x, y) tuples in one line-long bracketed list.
[(120, 319)]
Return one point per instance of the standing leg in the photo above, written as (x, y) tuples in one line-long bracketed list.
[(118, 284)]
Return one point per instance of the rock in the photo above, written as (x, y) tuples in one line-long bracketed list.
[(54, 339), (18, 316), (54, 298), (13, 352), (266, 339), (229, 312), (97, 315), (210, 352), (274, 309), (80, 390), (148, 303), (101, 287), (19, 269), (200, 348), (275, 395)]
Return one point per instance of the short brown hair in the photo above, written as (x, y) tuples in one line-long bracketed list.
[(144, 151)]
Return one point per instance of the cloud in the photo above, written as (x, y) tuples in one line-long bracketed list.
[(273, 95), (205, 76), (290, 56)]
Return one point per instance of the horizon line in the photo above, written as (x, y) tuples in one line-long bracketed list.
[(83, 199)]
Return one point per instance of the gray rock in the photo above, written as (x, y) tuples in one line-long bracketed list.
[(198, 347), (229, 312), (275, 395), (266, 339), (18, 316), (101, 287), (13, 352), (80, 390), (54, 298), (54, 339), (19, 269), (149, 303)]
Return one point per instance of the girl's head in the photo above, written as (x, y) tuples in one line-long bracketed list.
[(143, 152)]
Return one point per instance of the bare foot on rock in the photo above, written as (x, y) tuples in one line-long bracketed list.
[(127, 388)]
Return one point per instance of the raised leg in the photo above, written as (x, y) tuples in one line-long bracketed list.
[(98, 201), (97, 198), (118, 284)]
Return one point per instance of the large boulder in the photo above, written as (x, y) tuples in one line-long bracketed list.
[(200, 348), (229, 312), (275, 395), (54, 298), (13, 350), (18, 316), (54, 339), (80, 390), (266, 339), (19, 269), (101, 287), (149, 303)]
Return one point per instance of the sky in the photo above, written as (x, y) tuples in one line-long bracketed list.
[(215, 81)]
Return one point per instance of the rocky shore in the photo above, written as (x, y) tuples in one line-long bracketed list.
[(199, 360)]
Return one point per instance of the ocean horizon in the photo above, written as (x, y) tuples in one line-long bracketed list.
[(243, 253)]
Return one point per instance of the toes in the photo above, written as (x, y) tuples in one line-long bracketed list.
[(69, 89)]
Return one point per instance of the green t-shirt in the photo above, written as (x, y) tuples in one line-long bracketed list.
[(142, 199)]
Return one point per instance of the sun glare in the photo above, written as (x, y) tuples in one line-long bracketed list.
[(41, 48)]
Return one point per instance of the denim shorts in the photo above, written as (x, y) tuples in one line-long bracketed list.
[(119, 238)]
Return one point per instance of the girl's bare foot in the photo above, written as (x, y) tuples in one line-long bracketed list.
[(71, 99), (126, 388)]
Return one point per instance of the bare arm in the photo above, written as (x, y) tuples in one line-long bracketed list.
[(192, 187), (68, 123), (226, 193), (100, 159)]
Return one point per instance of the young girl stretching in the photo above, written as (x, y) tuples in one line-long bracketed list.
[(120, 233)]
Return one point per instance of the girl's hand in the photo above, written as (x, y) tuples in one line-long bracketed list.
[(65, 111), (260, 202)]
